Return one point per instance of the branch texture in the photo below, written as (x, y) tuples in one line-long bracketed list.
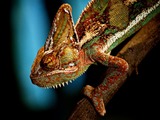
[(133, 52)]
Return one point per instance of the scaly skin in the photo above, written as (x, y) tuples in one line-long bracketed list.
[(69, 50)]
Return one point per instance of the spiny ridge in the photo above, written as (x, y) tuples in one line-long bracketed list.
[(63, 84)]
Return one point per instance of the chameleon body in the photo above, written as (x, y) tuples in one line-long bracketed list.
[(70, 49)]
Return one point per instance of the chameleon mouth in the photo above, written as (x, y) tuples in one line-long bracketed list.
[(64, 83), (52, 79), (62, 70), (40, 73)]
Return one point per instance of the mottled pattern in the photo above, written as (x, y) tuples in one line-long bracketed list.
[(117, 68), (69, 50)]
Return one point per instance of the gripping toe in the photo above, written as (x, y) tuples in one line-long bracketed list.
[(96, 98)]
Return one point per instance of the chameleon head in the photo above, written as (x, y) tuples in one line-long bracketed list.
[(57, 69), (60, 60)]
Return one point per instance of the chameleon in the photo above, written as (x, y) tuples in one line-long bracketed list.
[(70, 49)]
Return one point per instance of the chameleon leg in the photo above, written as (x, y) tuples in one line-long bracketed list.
[(117, 68)]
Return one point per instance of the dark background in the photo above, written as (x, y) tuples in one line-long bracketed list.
[(137, 99)]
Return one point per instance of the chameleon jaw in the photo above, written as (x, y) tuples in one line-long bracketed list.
[(53, 79), (67, 71)]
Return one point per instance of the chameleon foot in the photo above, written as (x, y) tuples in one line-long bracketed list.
[(96, 98)]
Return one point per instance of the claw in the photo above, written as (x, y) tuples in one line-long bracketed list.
[(88, 91), (99, 105), (96, 98)]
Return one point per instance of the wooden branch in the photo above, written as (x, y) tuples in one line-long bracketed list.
[(133, 52)]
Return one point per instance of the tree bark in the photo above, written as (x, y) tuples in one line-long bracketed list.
[(133, 52)]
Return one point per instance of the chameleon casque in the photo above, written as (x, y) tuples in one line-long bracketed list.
[(70, 49)]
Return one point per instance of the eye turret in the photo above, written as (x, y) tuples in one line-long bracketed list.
[(49, 62), (64, 58)]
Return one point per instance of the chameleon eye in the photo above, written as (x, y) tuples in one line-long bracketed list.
[(48, 62)]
